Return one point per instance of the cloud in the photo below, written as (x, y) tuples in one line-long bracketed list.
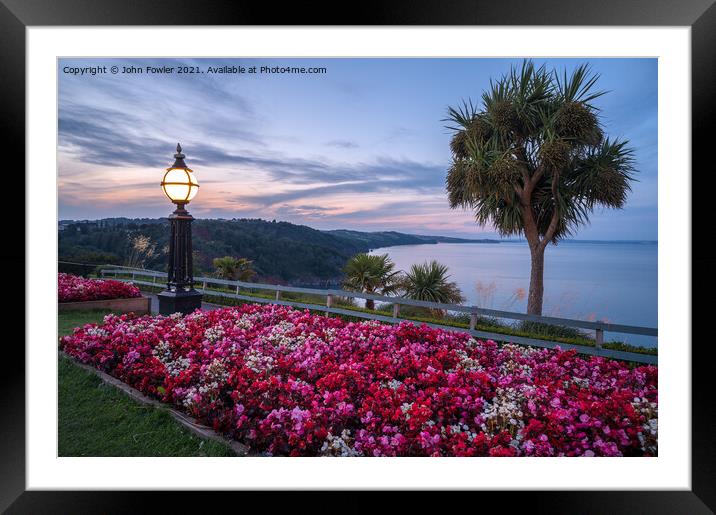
[(287, 211), (340, 143), (95, 135), (382, 175), (100, 136), (105, 116), (398, 133), (291, 148)]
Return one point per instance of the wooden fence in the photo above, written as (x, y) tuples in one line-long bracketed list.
[(599, 327)]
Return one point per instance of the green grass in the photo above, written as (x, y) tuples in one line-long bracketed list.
[(68, 320), (548, 332), (535, 330), (96, 419), (558, 334)]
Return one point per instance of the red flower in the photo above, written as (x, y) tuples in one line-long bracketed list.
[(71, 288), (287, 382)]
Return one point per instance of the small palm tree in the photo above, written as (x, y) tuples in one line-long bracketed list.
[(371, 274), (234, 269), (429, 281)]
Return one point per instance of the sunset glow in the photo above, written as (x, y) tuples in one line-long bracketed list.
[(361, 147)]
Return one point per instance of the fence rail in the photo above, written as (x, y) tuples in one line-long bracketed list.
[(599, 327)]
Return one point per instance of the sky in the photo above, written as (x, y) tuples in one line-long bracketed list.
[(362, 146)]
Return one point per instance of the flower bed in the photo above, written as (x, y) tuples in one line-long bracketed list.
[(72, 288), (287, 382)]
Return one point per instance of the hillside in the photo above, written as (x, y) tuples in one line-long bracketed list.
[(374, 240), (282, 252)]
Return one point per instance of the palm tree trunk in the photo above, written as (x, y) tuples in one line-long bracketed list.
[(536, 292)]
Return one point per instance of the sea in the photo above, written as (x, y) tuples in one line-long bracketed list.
[(585, 280)]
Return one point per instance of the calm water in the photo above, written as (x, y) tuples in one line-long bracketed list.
[(589, 281)]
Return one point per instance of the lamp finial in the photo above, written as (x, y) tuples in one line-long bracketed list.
[(179, 158)]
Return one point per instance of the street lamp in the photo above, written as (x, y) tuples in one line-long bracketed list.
[(180, 186)]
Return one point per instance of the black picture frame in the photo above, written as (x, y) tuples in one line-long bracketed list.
[(700, 15)]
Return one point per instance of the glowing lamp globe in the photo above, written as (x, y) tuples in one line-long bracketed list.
[(179, 183)]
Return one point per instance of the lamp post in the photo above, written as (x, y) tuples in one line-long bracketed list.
[(180, 186)]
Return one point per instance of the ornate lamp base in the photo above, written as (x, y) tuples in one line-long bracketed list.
[(179, 301)]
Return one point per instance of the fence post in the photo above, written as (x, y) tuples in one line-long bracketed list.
[(473, 321), (329, 302), (396, 310), (154, 278), (203, 287), (278, 294), (132, 276), (600, 338)]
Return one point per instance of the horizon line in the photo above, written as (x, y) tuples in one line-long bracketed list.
[(494, 238)]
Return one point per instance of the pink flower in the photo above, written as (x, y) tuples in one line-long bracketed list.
[(71, 288), (290, 383)]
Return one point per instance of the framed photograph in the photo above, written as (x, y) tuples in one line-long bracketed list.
[(428, 248)]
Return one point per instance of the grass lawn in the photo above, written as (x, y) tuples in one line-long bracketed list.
[(96, 419), (538, 331)]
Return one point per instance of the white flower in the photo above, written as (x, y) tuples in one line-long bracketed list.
[(164, 354), (96, 331), (339, 445), (504, 412), (214, 333)]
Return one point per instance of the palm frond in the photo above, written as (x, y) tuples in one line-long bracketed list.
[(539, 126), (370, 273), (603, 175), (460, 116), (233, 269), (430, 282), (578, 86)]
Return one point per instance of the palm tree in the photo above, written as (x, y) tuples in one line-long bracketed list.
[(533, 159), (234, 269), (429, 281), (371, 274)]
